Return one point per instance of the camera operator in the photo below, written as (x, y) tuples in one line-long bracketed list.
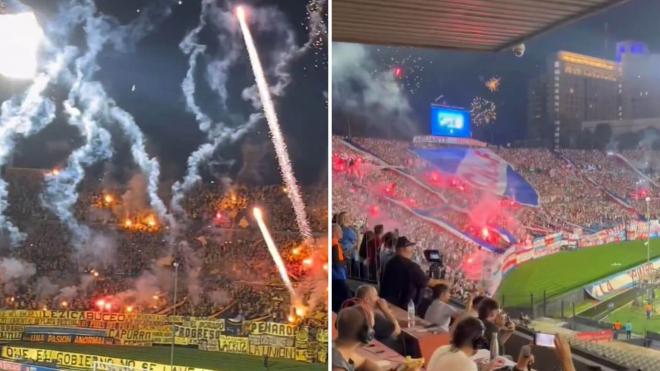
[(403, 279)]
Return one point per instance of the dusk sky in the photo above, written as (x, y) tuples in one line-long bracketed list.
[(460, 76)]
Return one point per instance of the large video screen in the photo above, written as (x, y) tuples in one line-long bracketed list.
[(450, 122)]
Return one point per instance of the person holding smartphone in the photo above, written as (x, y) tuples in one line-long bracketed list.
[(496, 322), (561, 348), (563, 353)]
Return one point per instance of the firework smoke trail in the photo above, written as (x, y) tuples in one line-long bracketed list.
[(275, 132), (274, 253), (150, 17), (22, 119), (61, 192), (32, 114), (148, 165), (191, 46), (218, 73), (215, 135)]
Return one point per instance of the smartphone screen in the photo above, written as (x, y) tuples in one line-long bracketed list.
[(544, 340)]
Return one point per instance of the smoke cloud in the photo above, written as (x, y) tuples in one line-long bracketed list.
[(45, 289), (15, 272), (359, 87)]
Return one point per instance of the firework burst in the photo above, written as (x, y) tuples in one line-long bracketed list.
[(482, 111)]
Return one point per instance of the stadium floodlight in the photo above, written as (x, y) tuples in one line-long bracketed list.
[(19, 51)]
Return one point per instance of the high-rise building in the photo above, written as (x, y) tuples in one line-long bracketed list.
[(536, 110), (641, 80), (577, 88)]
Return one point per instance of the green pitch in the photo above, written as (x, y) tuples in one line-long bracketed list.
[(637, 317), (564, 271), (182, 357)]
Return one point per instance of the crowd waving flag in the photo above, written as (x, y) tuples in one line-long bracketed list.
[(483, 169)]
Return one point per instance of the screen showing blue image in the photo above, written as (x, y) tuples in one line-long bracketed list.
[(450, 122)]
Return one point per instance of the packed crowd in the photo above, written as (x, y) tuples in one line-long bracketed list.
[(377, 186), (236, 273), (646, 160), (479, 330), (584, 206), (591, 175), (615, 176)]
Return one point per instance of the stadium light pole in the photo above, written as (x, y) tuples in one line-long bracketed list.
[(176, 279)]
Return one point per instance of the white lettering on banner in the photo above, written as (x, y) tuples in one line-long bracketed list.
[(621, 280)]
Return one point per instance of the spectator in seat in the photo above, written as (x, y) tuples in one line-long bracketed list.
[(385, 324), (354, 329), (496, 322), (440, 312), (469, 332), (475, 306)]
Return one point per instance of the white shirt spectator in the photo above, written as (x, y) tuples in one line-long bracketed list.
[(446, 358)]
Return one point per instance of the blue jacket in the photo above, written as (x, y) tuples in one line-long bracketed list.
[(348, 241)]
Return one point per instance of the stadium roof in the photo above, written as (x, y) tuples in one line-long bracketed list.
[(481, 25)]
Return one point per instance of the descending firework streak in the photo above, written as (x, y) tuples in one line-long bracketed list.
[(275, 131), (279, 263)]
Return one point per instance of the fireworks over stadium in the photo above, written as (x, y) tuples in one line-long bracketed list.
[(136, 141)]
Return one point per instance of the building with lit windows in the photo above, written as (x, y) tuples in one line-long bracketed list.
[(575, 89)]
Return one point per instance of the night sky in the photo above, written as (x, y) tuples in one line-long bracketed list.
[(157, 68), (460, 76)]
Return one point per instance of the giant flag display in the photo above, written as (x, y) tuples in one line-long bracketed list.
[(483, 169)]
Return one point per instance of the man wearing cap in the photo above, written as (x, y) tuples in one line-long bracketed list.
[(403, 279)]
